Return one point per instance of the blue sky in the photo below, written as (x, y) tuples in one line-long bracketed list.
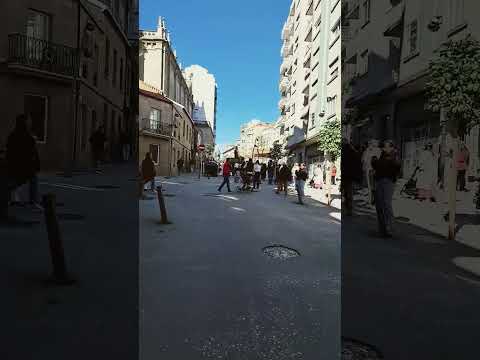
[(237, 41)]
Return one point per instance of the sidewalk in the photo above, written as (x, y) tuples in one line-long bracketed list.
[(98, 219)]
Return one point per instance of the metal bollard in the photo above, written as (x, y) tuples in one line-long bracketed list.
[(60, 276), (161, 203)]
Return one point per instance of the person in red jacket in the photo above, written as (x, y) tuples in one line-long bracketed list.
[(226, 176)]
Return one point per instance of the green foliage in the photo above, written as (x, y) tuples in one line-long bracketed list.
[(276, 151), (209, 149), (454, 83), (330, 138)]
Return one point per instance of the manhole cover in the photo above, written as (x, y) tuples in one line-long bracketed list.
[(402, 219), (356, 350), (280, 252), (106, 187), (70, 217)]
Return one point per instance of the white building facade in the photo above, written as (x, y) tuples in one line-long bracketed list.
[(310, 84), (204, 89)]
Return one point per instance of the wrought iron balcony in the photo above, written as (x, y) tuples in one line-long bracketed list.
[(156, 127), (42, 55)]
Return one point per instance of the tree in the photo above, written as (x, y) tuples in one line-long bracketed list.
[(330, 142), (276, 151), (453, 88), (330, 139), (209, 150)]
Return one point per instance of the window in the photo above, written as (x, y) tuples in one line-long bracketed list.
[(38, 25), (331, 105), (413, 36), (107, 58), (36, 109), (366, 11), (83, 126), (114, 75), (155, 118), (312, 124), (155, 153)]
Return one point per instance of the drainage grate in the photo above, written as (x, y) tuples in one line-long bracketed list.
[(402, 219), (356, 350), (280, 252), (70, 217), (169, 195)]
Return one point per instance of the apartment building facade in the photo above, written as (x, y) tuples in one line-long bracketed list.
[(204, 89), (67, 65), (256, 140), (310, 76), (166, 131), (386, 69), (159, 67)]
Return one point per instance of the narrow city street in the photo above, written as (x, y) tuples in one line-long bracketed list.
[(96, 317), (209, 291), (417, 285)]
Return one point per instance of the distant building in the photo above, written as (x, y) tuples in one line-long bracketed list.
[(166, 131), (256, 139), (204, 89), (159, 67)]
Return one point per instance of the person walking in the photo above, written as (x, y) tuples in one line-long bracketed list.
[(148, 171), (97, 141), (236, 172), (180, 166), (257, 169), (21, 163), (283, 177), (462, 162), (226, 171), (270, 171), (264, 172), (387, 169), (333, 173), (301, 177)]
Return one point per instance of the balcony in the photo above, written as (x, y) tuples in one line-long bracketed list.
[(42, 55), (287, 30), (310, 9), (284, 83), (156, 127), (287, 61)]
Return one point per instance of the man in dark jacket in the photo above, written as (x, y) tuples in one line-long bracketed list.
[(21, 163), (283, 176), (301, 177), (387, 169)]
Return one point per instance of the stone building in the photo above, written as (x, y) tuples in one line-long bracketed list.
[(68, 65), (387, 48)]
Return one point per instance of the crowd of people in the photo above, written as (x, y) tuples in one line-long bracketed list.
[(249, 175), (378, 166)]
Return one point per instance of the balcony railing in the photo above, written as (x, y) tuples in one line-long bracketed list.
[(42, 55), (156, 127)]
